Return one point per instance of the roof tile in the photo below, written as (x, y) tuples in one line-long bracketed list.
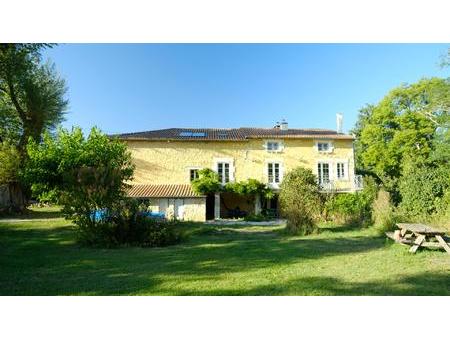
[(236, 134), (161, 190)]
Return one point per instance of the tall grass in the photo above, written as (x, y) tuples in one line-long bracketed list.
[(383, 213)]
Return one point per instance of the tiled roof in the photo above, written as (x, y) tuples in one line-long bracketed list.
[(237, 134), (161, 190)]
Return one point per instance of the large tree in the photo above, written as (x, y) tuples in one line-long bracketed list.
[(404, 124), (32, 94), (32, 100)]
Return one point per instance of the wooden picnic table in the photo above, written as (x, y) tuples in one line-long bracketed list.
[(419, 235)]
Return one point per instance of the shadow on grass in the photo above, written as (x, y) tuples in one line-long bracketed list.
[(418, 284), (339, 228), (47, 261), (34, 214)]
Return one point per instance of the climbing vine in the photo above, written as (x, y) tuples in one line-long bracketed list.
[(208, 182)]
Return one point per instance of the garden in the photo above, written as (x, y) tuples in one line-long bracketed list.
[(41, 256)]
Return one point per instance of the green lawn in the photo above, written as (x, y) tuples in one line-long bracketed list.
[(40, 257)]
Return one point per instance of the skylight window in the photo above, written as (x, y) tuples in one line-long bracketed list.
[(192, 134)]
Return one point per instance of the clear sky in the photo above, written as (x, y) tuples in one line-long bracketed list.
[(137, 87)]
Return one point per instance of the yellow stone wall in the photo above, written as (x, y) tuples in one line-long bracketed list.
[(168, 162), (194, 209)]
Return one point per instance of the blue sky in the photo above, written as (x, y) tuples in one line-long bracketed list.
[(136, 87)]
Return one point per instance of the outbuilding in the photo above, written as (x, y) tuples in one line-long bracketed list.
[(173, 200)]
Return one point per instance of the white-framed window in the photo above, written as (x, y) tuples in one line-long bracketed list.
[(193, 174), (341, 170), (273, 146), (323, 172), (273, 171), (324, 146), (225, 169)]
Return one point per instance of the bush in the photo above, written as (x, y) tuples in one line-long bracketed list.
[(128, 225), (349, 208), (383, 213), (430, 199), (354, 209), (300, 201)]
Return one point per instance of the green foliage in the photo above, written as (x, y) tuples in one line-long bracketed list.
[(352, 208), (300, 201), (250, 187), (403, 124), (126, 225), (9, 163), (10, 125), (32, 94), (383, 213), (207, 182), (32, 101), (423, 189), (86, 174)]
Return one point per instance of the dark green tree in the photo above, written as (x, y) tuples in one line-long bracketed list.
[(32, 101), (32, 94), (405, 123)]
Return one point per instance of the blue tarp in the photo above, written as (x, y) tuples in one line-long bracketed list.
[(100, 215), (153, 214)]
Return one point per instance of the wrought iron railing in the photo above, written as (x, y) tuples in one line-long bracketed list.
[(331, 186)]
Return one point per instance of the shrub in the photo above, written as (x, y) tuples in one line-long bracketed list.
[(300, 201), (434, 182), (128, 225), (383, 213), (349, 208), (352, 208)]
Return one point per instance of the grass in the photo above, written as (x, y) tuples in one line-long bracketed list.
[(41, 257)]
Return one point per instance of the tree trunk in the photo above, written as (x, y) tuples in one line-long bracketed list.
[(18, 200)]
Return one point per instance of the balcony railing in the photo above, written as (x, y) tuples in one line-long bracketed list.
[(358, 182), (332, 186)]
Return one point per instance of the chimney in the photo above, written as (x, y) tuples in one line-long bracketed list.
[(339, 123), (284, 125)]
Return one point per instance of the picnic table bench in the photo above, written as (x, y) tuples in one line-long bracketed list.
[(419, 235)]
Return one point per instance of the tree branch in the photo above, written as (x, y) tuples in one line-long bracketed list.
[(15, 101)]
